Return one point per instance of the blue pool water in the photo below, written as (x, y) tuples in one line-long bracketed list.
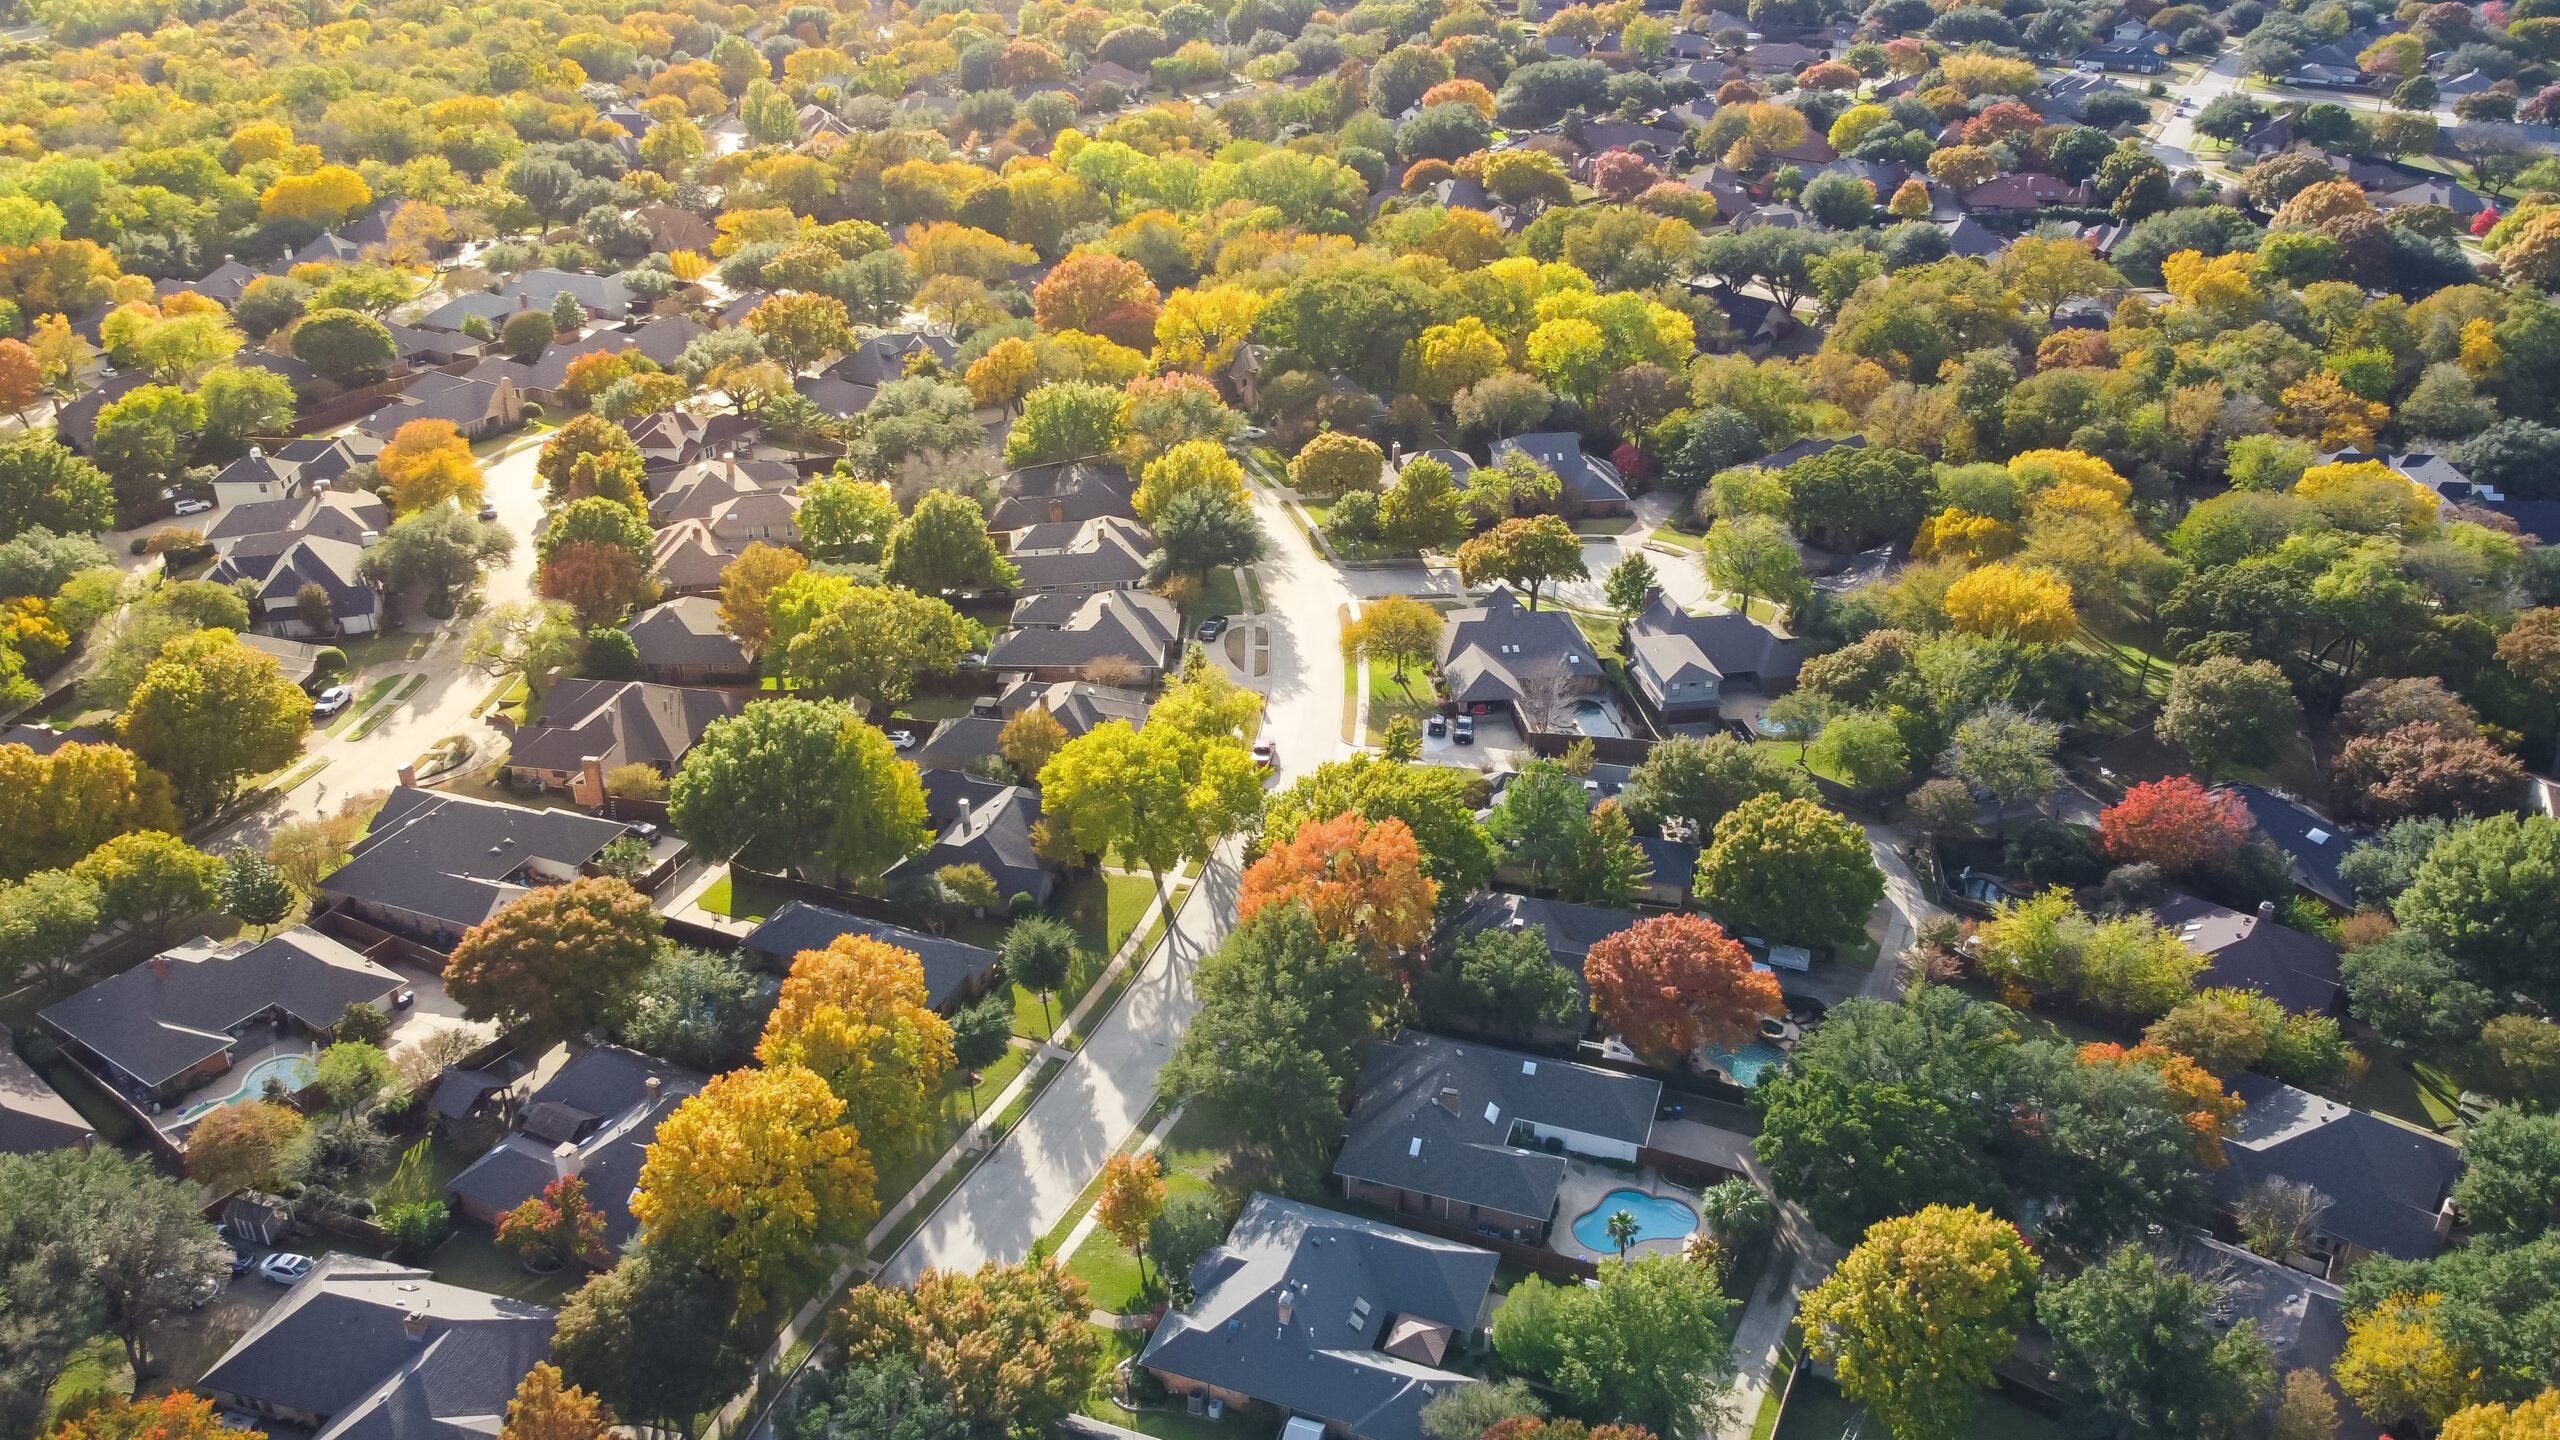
[(294, 1070), (1749, 1064), (1657, 1218)]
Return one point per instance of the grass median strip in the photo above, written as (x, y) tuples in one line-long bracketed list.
[(383, 711)]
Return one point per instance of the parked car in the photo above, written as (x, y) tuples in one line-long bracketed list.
[(1462, 731), (903, 739), (330, 701), (488, 512), (286, 1268), (242, 1262), (1212, 628), (1265, 754), (1436, 727), (192, 506)]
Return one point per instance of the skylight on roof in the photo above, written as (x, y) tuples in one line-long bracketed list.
[(1417, 1146), (1492, 1113), (1528, 1067), (2317, 836)]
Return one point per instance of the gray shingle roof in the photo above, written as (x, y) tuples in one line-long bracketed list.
[(1409, 1132), (33, 1118), (626, 722), (2385, 1181), (1111, 622), (1571, 930), (1679, 645), (1347, 1281), (686, 631), (456, 859), (175, 1011), (950, 966), (1491, 650), (607, 1091), (2248, 951), (337, 1346)]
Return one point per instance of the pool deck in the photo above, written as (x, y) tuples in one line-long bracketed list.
[(1585, 1185), (225, 1088)]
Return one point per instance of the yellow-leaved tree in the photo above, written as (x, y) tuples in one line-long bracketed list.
[(856, 1015), (2398, 1366), (427, 463), (753, 1175), (2028, 606)]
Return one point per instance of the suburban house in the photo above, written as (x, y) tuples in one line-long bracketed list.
[(883, 358), (2248, 950), (1056, 635), (2389, 1186), (1570, 930), (1457, 1132), (1110, 553), (477, 406), (33, 1117), (540, 381), (435, 864), (979, 822), (1591, 486), (681, 643), (2023, 194), (185, 1015), (689, 559), (1685, 664), (594, 1118), (591, 728), (350, 516), (1327, 1318), (278, 565), (1077, 706), (1503, 654), (367, 1350), (44, 739), (256, 477), (605, 296), (2312, 843), (1070, 492), (955, 971), (698, 490)]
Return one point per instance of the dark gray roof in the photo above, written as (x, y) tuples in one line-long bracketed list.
[(622, 722), (1490, 650), (33, 1119), (984, 824), (456, 859), (2385, 1181), (1728, 643), (1587, 479), (1350, 1286), (615, 1114), (950, 966), (1571, 930), (1139, 626), (173, 1012), (686, 631), (1074, 490), (44, 739), (2249, 951), (2312, 842), (1407, 1132), (337, 1346)]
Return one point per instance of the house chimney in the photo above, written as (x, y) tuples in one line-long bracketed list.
[(651, 1086), (565, 1159), (409, 775), (1288, 1303), (590, 792), (2266, 909), (2444, 1220), (160, 966), (414, 1324), (257, 453), (1449, 1098), (729, 466)]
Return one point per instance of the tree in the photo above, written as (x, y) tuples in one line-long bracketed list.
[(943, 546), (254, 892), (1191, 467), (1671, 983), (2145, 1342), (547, 1408), (1030, 740), (1752, 557), (1132, 1197), (525, 640), (178, 1415), (45, 920), (1397, 629), (746, 593), (1526, 552), (438, 553), (656, 1338), (596, 520), (1504, 982), (1469, 1412), (2511, 1172), (242, 1147), (1864, 748), (151, 880), (2005, 754), (427, 464), (1628, 583), (2305, 1410), (1067, 420), (43, 484), (890, 1398), (557, 1227), (1696, 781), (2397, 1365), (350, 1074), (557, 960), (211, 711), (868, 641), (1283, 1024), (2048, 273), (1645, 1345), (1359, 882), (1789, 869), (2229, 713), (1007, 1345), (144, 1252), (843, 519), (771, 786), (753, 1174), (1157, 796), (346, 346), (800, 330), (1919, 1312), (2420, 769), (1337, 463), (2485, 895), (599, 583), (1541, 821), (323, 197), (526, 334), (2174, 823), (857, 1015), (1038, 951)]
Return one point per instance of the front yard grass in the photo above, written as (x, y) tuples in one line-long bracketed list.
[(1219, 595), (1787, 750), (1103, 909), (1389, 698), (899, 1173)]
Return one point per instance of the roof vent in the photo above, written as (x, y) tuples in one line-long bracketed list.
[(1449, 1098)]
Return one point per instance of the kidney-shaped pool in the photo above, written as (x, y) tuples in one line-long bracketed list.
[(1658, 1217)]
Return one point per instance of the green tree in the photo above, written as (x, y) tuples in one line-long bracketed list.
[(437, 553), (1864, 748), (1790, 869), (1752, 557), (1504, 982), (943, 546), (2005, 754), (656, 1337), (1646, 1346), (1285, 1019), (2488, 894), (1695, 782), (2230, 714), (1524, 552), (1543, 820), (1438, 803), (2511, 1173), (2145, 1342), (347, 346), (845, 520), (1919, 1312), (1038, 952), (151, 880), (44, 485), (211, 712), (255, 892), (867, 641), (1628, 583)]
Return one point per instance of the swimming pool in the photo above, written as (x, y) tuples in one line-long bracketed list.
[(1749, 1065), (294, 1070), (1658, 1217)]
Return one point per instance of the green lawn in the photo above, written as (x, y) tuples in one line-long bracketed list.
[(741, 901), (1172, 1422), (1684, 539), (1196, 1157), (1218, 596), (899, 1173), (472, 1259), (1787, 750), (364, 702), (1388, 698), (2412, 1093), (929, 709), (1103, 909), (1818, 1411)]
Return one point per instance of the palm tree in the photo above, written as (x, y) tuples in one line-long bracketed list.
[(1622, 1231)]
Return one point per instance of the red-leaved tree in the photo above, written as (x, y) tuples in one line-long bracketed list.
[(560, 1224), (2173, 823), (1669, 984), (601, 582), (1622, 175), (1361, 882)]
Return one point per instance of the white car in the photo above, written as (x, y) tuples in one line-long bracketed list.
[(903, 739), (1265, 754), (192, 506), (330, 701), (286, 1268)]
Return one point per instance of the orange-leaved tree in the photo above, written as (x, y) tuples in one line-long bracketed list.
[(856, 1014), (1361, 882), (1670, 983), (1131, 1199), (547, 1407), (2174, 823), (558, 1225), (175, 1416)]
